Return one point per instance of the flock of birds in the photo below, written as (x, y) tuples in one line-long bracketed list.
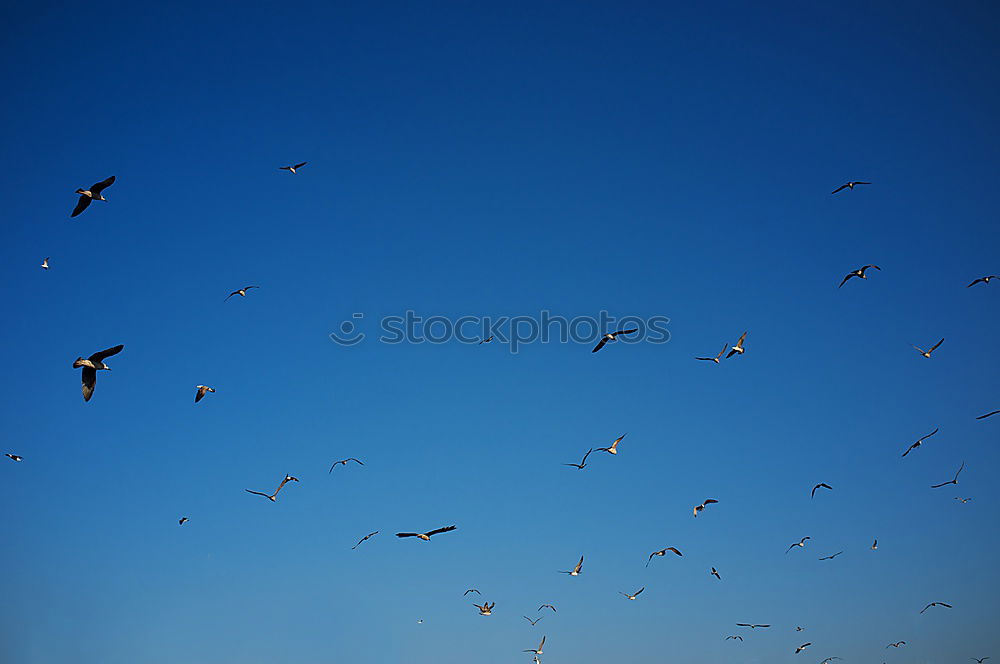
[(96, 362)]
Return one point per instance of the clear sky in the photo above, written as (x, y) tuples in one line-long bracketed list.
[(642, 159)]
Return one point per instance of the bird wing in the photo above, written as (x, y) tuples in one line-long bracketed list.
[(947, 606), (300, 165), (674, 549), (975, 282), (579, 565), (257, 493), (81, 205), (584, 460), (600, 344), (983, 417), (868, 266), (709, 501), (843, 186), (89, 378), (936, 345), (930, 434), (406, 534), (639, 591), (98, 187), (635, 329), (199, 394), (910, 448), (440, 530), (358, 461)]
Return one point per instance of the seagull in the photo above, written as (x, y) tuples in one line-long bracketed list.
[(486, 340), (860, 272), (980, 660), (576, 570), (927, 353), (821, 485), (985, 280), (13, 457), (182, 520), (538, 650), (535, 660), (799, 629), (613, 449), (919, 442), (831, 557), (803, 647), (292, 169), (849, 185), (663, 552), (94, 193), (733, 636), (954, 480), (708, 501), (896, 644), (964, 500), (750, 625), (486, 609), (610, 336), (716, 358), (715, 573), (202, 391), (738, 348), (947, 606), (801, 543), (829, 659), (45, 263), (547, 606), (471, 590), (427, 536), (634, 595), (533, 622), (583, 462), (343, 462), (242, 292), (91, 366), (364, 539), (272, 497), (983, 417), (875, 544)]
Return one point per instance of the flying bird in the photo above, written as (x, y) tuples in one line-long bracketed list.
[(953, 480), (708, 501), (983, 417), (799, 629), (486, 340), (583, 462), (610, 336), (364, 539), (821, 485), (92, 194), (875, 544), (927, 353), (273, 497), (733, 636), (715, 573), (716, 358), (919, 442), (538, 650), (427, 536), (750, 625), (533, 622), (91, 366), (202, 391), (13, 457), (45, 263), (803, 647), (860, 273), (343, 462), (832, 556), (738, 348), (985, 280), (848, 185), (547, 606), (576, 570), (896, 644), (947, 606), (182, 520), (964, 500), (471, 590), (613, 448), (663, 552), (633, 595), (486, 609), (800, 543), (292, 169), (242, 292), (980, 660), (829, 659)]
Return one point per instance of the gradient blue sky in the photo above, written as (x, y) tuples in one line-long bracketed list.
[(644, 159)]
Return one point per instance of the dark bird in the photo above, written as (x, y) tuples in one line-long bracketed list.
[(486, 609), (92, 194), (875, 544), (800, 543), (947, 606), (576, 570), (613, 448), (896, 644), (427, 536), (738, 348), (927, 353), (733, 636), (633, 595), (980, 660), (849, 185), (983, 417), (538, 650), (182, 520), (860, 273), (242, 292), (547, 606), (985, 280), (364, 539), (202, 391), (471, 590), (486, 340), (829, 659), (708, 501), (832, 556), (715, 573), (716, 358), (663, 552), (533, 622), (802, 647), (91, 366), (821, 485), (292, 169), (799, 629), (583, 462), (273, 496), (964, 500), (610, 336), (953, 480), (13, 457), (919, 442), (750, 625), (343, 462), (45, 263)]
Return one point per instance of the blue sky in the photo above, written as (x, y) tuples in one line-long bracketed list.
[(641, 159)]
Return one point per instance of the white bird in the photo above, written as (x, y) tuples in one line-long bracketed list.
[(613, 448), (538, 650), (575, 571), (45, 263), (633, 595), (738, 348)]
